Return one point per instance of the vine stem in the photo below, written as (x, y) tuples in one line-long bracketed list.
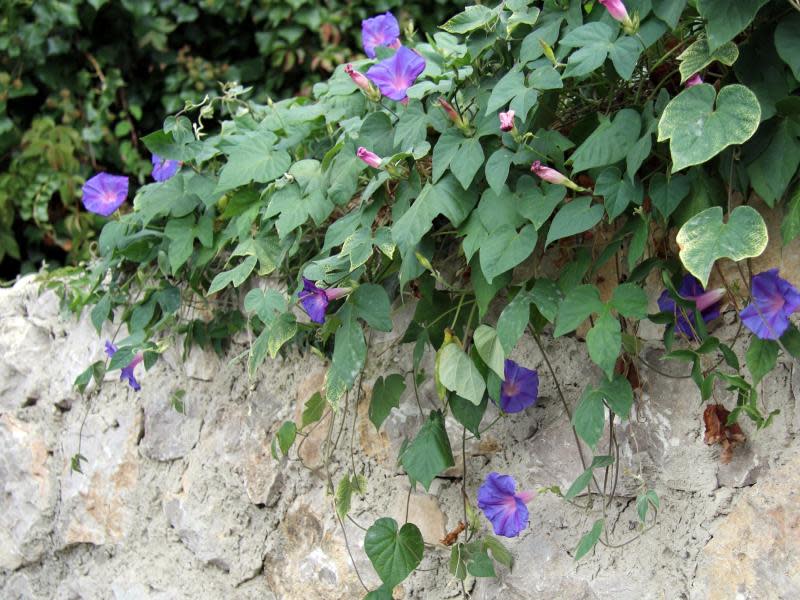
[(563, 401)]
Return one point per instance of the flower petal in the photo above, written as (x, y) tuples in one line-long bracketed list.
[(382, 30), (104, 193)]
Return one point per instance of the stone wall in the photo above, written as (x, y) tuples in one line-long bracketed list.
[(173, 506)]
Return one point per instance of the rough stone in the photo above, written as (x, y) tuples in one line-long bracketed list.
[(95, 504), (755, 550), (28, 493), (169, 434)]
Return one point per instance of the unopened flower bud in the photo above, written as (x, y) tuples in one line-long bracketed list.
[(372, 159), (506, 120), (553, 176)]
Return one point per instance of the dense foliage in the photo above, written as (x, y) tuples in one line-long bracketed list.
[(82, 80), (531, 152)]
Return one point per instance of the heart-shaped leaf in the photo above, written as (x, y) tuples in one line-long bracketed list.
[(700, 124), (705, 237), (697, 57), (393, 553)]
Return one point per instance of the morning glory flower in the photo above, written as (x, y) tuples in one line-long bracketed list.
[(552, 176), (502, 505), (372, 159), (616, 8), (774, 299), (383, 30), (506, 120), (520, 388), (104, 193), (315, 300), (707, 302), (163, 168), (127, 372), (396, 74), (695, 79)]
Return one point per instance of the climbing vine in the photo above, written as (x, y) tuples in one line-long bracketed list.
[(534, 167)]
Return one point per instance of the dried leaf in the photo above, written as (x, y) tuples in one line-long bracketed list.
[(718, 431), (451, 537)]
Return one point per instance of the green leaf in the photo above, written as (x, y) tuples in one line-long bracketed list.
[(698, 56), (701, 123), (597, 42), (576, 307), (546, 296), (473, 17), (617, 191), (312, 411), (412, 126), (667, 193), (253, 158), (505, 249), (429, 453), (382, 593), (513, 321), (775, 166), (509, 86), (589, 418), (468, 414), (281, 331), (537, 206), (385, 396), (576, 217), (470, 160), (761, 357), (610, 142), (480, 565), (497, 168), (638, 241), (235, 276), (100, 312), (580, 484), (499, 552), (726, 19), (790, 226), (618, 394), (371, 303), (490, 349), (444, 197), (787, 42), (630, 301), (344, 494), (349, 354), (394, 554), (705, 238), (286, 436), (457, 373), (485, 291), (589, 540), (604, 342), (643, 503), (669, 11)]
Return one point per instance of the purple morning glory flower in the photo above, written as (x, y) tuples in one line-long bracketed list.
[(163, 168), (396, 74), (104, 193), (315, 300), (383, 30), (774, 299), (520, 388), (127, 372), (502, 505), (707, 302)]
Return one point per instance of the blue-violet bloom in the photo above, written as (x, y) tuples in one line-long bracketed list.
[(503, 506), (315, 300), (104, 193), (127, 372), (163, 168), (774, 299), (382, 30), (396, 74), (520, 388), (707, 302)]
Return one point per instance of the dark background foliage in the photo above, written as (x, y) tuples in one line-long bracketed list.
[(82, 80)]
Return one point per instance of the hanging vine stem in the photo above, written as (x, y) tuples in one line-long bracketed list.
[(563, 401)]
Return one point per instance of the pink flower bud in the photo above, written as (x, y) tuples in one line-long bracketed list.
[(548, 174), (553, 176), (506, 120), (694, 80), (616, 8), (709, 298), (358, 78), (451, 112), (372, 159), (335, 293)]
